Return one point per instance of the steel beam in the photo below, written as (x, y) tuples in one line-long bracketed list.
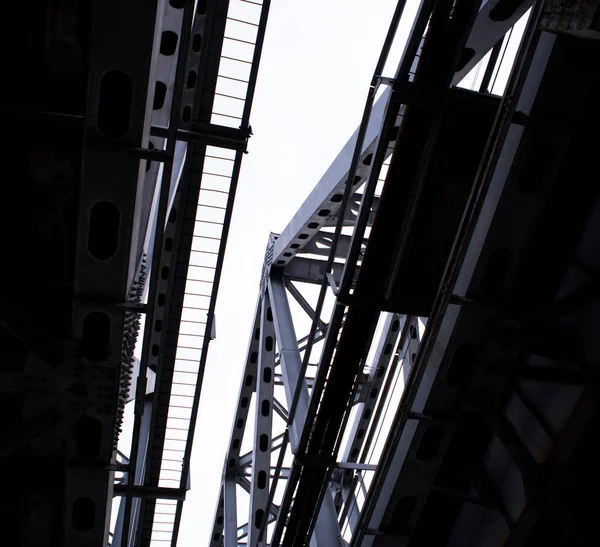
[(261, 452), (165, 185), (246, 460), (150, 492), (289, 354), (232, 459), (310, 270), (381, 361), (304, 304), (281, 411), (139, 468), (209, 135), (492, 23), (230, 513), (324, 200), (327, 530), (321, 243)]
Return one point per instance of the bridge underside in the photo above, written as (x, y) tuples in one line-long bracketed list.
[(126, 127), (428, 316), (423, 364)]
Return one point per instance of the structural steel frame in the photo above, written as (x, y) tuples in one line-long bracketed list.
[(218, 48), (325, 501)]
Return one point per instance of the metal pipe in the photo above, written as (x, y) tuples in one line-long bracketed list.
[(489, 69), (389, 39)]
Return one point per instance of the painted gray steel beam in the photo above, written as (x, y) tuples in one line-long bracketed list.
[(162, 69), (160, 259), (216, 535), (213, 20), (246, 460), (230, 513), (397, 360), (319, 206), (327, 531), (303, 303), (279, 408), (247, 387), (244, 482), (289, 354), (310, 270), (489, 27), (261, 451), (284, 474), (321, 245)]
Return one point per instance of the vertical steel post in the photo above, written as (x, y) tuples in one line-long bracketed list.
[(230, 513), (327, 530), (261, 451)]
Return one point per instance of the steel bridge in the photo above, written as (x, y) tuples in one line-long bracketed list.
[(137, 119), (421, 369), (422, 366)]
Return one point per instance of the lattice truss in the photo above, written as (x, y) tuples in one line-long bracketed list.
[(303, 274), (262, 448), (202, 80), (310, 274)]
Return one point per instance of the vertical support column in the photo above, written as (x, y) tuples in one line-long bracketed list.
[(230, 516), (327, 529), (261, 452)]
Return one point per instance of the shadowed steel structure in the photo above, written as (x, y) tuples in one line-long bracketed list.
[(423, 364), (420, 369)]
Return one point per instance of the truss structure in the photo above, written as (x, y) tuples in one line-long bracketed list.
[(423, 365), (361, 378), (203, 73)]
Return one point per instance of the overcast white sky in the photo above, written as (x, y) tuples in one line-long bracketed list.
[(316, 66)]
